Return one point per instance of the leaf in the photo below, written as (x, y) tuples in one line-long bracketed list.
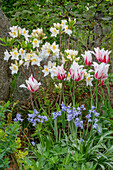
[(106, 18)]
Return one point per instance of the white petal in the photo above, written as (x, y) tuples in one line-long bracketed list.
[(23, 85)]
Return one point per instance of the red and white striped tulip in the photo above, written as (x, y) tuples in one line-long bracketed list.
[(87, 58), (77, 72), (32, 84), (60, 72), (101, 71), (102, 55)]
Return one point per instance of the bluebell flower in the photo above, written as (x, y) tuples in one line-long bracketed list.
[(90, 111), (93, 111), (96, 120), (56, 114), (78, 108), (64, 108), (88, 116), (99, 130), (33, 143), (69, 117), (18, 118), (96, 114), (81, 140), (93, 107), (35, 117), (78, 123), (36, 112), (95, 126), (69, 111), (82, 107), (89, 120)]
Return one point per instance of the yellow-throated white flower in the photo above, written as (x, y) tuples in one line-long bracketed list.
[(89, 80), (14, 55), (45, 70), (36, 43), (7, 55), (54, 32), (22, 53), (14, 68), (54, 47)]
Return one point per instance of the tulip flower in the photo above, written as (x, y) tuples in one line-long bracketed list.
[(60, 72), (87, 58), (102, 55), (32, 84), (76, 71), (101, 72)]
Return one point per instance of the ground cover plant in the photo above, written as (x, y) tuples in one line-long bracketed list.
[(66, 131)]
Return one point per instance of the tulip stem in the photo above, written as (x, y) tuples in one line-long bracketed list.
[(96, 94), (91, 97), (68, 42), (32, 101)]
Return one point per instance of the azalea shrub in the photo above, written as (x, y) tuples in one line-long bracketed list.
[(55, 74)]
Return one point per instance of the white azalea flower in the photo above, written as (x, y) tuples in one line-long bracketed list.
[(14, 55), (53, 71), (22, 53), (63, 22), (36, 43), (7, 55), (68, 31), (54, 32), (35, 60), (45, 70), (14, 68), (89, 80), (68, 76), (54, 47)]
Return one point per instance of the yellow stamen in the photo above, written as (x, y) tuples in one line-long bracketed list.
[(15, 53), (22, 51), (14, 33), (35, 41), (46, 69), (68, 75), (15, 67), (55, 31), (24, 32), (34, 59), (88, 78), (54, 47)]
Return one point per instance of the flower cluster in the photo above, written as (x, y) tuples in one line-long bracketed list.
[(56, 114), (31, 52), (92, 117), (74, 114), (60, 28), (36, 117)]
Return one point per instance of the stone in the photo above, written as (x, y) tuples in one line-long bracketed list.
[(5, 76)]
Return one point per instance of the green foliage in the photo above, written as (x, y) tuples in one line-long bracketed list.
[(65, 154), (8, 133)]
